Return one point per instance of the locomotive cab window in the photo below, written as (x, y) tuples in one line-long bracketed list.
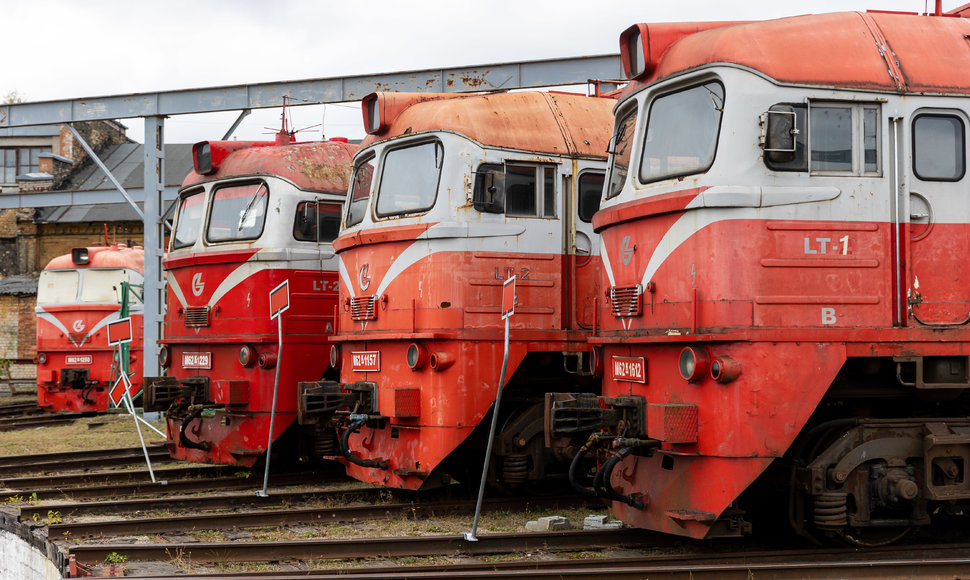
[(103, 286), (682, 132), (590, 190), (316, 221), (409, 179), (517, 189), (237, 212), (360, 191), (189, 220), (621, 148), (58, 286), (840, 138), (939, 148)]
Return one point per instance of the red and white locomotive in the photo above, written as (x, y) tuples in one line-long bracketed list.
[(785, 229), (78, 294), (251, 216), (451, 195)]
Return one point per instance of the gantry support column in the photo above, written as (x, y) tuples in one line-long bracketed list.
[(154, 241)]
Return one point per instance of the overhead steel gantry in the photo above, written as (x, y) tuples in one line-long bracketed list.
[(154, 107)]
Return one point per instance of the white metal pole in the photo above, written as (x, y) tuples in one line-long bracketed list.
[(272, 411)]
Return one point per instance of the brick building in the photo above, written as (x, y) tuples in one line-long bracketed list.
[(40, 159)]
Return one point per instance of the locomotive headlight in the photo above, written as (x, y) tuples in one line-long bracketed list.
[(440, 360), (247, 355), (42, 359), (725, 369), (267, 360), (163, 356), (694, 363), (335, 356), (417, 356)]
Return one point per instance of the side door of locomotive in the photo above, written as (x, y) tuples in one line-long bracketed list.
[(938, 232), (583, 191)]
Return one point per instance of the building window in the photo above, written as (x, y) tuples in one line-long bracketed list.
[(19, 161)]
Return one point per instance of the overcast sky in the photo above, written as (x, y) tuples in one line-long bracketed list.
[(60, 49)]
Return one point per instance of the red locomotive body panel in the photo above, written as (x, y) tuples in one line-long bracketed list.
[(783, 240), (420, 336), (263, 215), (78, 295)]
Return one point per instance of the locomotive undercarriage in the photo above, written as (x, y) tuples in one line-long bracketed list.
[(520, 456), (79, 380), (886, 452)]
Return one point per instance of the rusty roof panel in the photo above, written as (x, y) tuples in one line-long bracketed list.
[(558, 124), (845, 49)]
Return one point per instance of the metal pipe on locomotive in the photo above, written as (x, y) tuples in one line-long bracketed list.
[(78, 294), (786, 290), (450, 196), (251, 215)]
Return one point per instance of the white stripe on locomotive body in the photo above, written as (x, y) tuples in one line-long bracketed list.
[(56, 323), (277, 249), (763, 194), (457, 225)]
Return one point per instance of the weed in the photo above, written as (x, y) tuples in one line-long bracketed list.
[(115, 558)]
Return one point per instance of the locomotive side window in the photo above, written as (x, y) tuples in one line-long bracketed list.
[(102, 286), (517, 189), (590, 190), (316, 222), (409, 179), (682, 131), (58, 286), (844, 138), (238, 212), (620, 150), (189, 220), (939, 149), (360, 191)]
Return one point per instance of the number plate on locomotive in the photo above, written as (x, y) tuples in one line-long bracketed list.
[(196, 360), (632, 369), (368, 361), (78, 359)]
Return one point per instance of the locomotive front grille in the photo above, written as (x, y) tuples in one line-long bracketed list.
[(626, 300), (196, 317), (363, 307)]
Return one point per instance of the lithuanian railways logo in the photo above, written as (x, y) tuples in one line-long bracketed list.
[(363, 280)]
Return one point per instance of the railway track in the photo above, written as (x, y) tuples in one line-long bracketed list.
[(31, 421), (110, 477), (265, 518), (20, 409), (18, 465), (933, 562)]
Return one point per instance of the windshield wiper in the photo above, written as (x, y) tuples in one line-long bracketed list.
[(249, 206)]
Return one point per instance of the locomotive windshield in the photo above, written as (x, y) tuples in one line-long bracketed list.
[(97, 286), (682, 130), (621, 150), (58, 286), (360, 191), (409, 179), (238, 212), (189, 220)]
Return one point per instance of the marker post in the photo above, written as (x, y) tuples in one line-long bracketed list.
[(119, 334), (508, 309), (279, 302)]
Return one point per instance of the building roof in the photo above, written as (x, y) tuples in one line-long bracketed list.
[(18, 285), (126, 163)]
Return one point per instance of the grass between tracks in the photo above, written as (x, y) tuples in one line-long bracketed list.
[(103, 431)]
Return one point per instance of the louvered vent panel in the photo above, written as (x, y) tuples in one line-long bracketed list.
[(626, 300), (363, 308), (196, 317)]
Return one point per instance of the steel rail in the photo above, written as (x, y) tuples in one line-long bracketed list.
[(373, 547), (224, 521), (931, 563), (24, 409), (164, 488), (107, 477), (30, 421), (78, 459)]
